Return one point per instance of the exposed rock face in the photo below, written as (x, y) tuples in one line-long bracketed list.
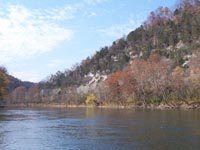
[(180, 45), (92, 84)]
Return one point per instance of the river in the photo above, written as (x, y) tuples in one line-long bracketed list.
[(99, 129)]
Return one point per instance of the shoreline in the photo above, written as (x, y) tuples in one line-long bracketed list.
[(162, 106)]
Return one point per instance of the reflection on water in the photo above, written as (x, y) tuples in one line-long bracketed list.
[(99, 129)]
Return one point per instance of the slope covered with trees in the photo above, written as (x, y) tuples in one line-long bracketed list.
[(170, 33), (157, 62), (9, 83), (15, 82)]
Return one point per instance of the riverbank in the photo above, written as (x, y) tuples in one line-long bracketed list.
[(169, 105)]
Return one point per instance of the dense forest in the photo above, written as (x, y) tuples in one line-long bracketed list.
[(171, 34), (157, 62), (9, 83)]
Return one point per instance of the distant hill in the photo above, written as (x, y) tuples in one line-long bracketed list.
[(14, 83)]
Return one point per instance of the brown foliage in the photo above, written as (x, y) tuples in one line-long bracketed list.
[(18, 95), (34, 93), (143, 78), (151, 76)]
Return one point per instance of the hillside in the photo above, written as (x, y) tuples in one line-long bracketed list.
[(15, 82), (9, 83), (173, 34), (157, 61)]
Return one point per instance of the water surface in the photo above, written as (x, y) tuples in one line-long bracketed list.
[(99, 129)]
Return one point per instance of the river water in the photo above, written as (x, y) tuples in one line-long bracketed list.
[(99, 129)]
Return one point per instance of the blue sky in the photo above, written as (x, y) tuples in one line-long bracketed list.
[(40, 37)]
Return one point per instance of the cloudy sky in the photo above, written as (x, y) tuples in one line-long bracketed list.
[(40, 37)]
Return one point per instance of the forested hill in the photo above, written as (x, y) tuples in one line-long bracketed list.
[(8, 83), (15, 82), (158, 62), (173, 34)]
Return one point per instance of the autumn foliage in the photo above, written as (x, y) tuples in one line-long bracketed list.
[(157, 62), (149, 81), (90, 99)]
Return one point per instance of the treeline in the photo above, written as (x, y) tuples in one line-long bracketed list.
[(38, 95), (15, 82), (154, 80), (170, 33), (157, 62), (166, 30), (8, 84), (142, 82)]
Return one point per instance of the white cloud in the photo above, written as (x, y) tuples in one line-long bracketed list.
[(91, 14), (30, 75), (26, 32), (64, 13), (94, 2), (117, 31), (56, 63)]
